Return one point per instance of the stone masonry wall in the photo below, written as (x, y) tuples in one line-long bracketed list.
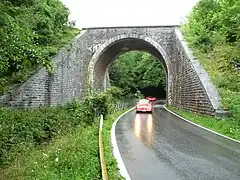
[(64, 85), (193, 89), (189, 86), (187, 89)]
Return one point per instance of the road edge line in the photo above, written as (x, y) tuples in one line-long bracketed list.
[(122, 169), (214, 132)]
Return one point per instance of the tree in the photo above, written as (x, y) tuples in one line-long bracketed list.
[(214, 28), (134, 71), (211, 19), (31, 32)]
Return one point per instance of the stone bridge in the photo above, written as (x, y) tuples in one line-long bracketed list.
[(84, 63)]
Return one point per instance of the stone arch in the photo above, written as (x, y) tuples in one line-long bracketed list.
[(124, 37)]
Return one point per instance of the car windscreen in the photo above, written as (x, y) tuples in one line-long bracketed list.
[(143, 101)]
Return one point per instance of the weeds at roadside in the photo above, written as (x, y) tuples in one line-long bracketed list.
[(71, 156), (111, 164), (228, 127)]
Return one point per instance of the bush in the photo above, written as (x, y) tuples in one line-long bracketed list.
[(211, 19), (21, 130), (73, 155), (218, 23), (133, 71), (31, 32), (103, 103), (214, 34)]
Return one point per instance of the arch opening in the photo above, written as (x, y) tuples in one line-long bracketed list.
[(110, 50), (136, 71)]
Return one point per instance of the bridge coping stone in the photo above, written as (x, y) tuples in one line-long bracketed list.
[(127, 27)]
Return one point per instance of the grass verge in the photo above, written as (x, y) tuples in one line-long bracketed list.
[(220, 62), (228, 127), (54, 142), (71, 156), (111, 163)]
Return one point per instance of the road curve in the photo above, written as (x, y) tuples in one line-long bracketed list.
[(162, 146)]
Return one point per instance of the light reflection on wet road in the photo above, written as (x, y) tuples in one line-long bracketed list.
[(161, 146)]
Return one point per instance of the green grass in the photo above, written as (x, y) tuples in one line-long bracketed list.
[(71, 156), (228, 126), (219, 62), (21, 130), (224, 78), (74, 155), (111, 164), (53, 142)]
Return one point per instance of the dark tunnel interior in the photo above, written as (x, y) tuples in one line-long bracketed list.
[(158, 92)]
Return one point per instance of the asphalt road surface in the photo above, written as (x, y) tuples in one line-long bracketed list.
[(161, 146)]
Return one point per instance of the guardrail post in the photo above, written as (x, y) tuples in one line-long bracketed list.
[(103, 164)]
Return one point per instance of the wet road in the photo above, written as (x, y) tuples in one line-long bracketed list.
[(162, 146)]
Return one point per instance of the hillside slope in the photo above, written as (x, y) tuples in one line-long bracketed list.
[(213, 32), (31, 32)]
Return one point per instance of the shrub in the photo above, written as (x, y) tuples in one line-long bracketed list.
[(218, 23), (134, 71), (21, 130), (31, 32), (214, 34)]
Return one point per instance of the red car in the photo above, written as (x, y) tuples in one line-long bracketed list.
[(151, 98), (144, 105)]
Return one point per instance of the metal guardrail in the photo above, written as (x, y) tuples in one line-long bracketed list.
[(118, 106), (122, 105)]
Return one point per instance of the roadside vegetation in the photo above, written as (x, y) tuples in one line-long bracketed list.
[(226, 127), (213, 32), (133, 71), (48, 142), (111, 164), (54, 143), (70, 156), (31, 32)]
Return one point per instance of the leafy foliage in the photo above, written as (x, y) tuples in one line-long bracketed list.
[(73, 155), (136, 70), (111, 163), (31, 32), (213, 31), (21, 130), (214, 21)]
